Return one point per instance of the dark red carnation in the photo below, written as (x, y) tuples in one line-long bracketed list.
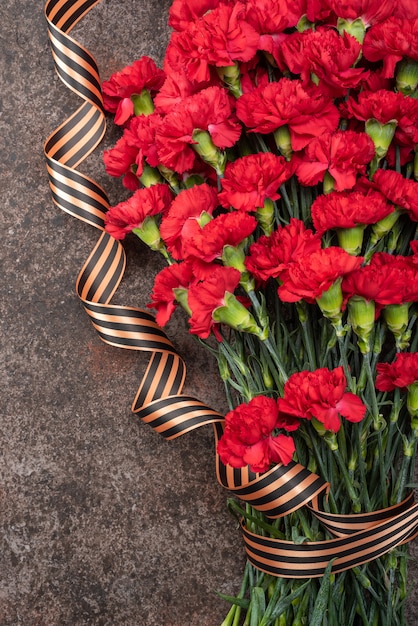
[(248, 437), (189, 211), (322, 395), (125, 216), (250, 180), (313, 274), (306, 111), (131, 81), (344, 154), (272, 256), (401, 373), (347, 209)]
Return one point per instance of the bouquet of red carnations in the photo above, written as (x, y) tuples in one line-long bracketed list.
[(271, 162)]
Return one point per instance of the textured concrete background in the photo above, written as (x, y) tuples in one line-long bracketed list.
[(102, 521)]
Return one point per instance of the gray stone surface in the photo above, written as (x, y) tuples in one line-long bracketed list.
[(102, 521)]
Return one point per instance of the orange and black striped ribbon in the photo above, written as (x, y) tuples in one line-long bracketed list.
[(159, 401)]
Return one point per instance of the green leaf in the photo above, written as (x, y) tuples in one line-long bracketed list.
[(321, 601)]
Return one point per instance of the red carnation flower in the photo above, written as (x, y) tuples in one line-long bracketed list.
[(272, 256), (177, 276), (141, 136), (386, 106), (207, 296), (390, 41), (248, 437), (313, 274), (322, 395), (228, 229), (403, 192), (177, 86), (182, 220), (121, 161), (328, 56), (131, 81), (306, 111), (344, 154), (183, 12), (386, 280), (218, 39), (347, 209), (369, 11), (248, 181), (210, 110), (269, 18), (402, 372), (125, 216)]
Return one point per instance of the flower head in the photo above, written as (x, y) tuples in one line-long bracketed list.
[(322, 395), (249, 439)]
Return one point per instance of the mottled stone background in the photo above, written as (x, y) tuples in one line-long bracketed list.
[(102, 521)]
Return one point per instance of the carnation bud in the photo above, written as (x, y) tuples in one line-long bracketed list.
[(231, 76), (361, 314), (143, 104), (265, 216), (283, 141), (355, 28), (397, 318), (235, 315), (412, 402), (205, 148), (381, 135), (351, 239), (330, 303), (407, 76)]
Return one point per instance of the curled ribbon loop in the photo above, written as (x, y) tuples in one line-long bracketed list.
[(159, 401)]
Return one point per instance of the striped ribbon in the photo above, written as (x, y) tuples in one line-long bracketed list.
[(159, 401)]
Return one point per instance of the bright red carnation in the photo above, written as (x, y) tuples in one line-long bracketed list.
[(184, 218), (347, 209), (390, 41), (402, 372), (313, 274), (272, 256), (306, 111), (177, 86), (121, 86), (140, 136), (328, 56), (208, 295), (218, 39), (344, 154), (121, 161), (369, 11), (249, 181), (388, 279), (403, 192), (227, 229), (125, 216), (176, 276), (248, 437), (322, 395), (183, 12), (209, 110)]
